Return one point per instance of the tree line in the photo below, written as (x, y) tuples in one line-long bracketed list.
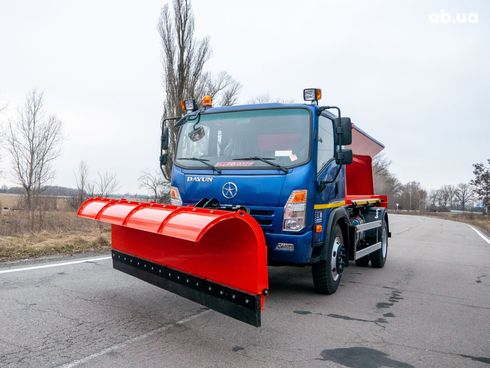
[(106, 184), (411, 196)]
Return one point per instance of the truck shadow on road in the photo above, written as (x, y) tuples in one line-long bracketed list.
[(286, 280)]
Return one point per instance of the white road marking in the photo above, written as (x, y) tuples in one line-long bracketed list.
[(481, 235), (124, 344), (54, 265)]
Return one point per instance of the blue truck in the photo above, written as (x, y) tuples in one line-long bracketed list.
[(303, 173)]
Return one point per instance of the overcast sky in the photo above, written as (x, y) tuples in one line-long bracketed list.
[(420, 87)]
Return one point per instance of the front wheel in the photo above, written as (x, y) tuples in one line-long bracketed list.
[(327, 273), (378, 258)]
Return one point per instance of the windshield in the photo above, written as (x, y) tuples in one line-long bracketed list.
[(246, 139)]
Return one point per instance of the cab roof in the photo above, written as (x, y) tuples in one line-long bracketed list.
[(259, 107)]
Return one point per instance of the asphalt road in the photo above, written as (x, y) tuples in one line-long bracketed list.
[(429, 307)]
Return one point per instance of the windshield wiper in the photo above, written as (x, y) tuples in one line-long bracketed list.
[(263, 159), (202, 160)]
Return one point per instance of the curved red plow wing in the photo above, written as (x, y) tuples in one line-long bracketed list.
[(216, 258)]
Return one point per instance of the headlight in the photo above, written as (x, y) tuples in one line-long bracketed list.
[(175, 196), (295, 211)]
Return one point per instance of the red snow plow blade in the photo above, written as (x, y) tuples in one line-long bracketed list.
[(213, 257)]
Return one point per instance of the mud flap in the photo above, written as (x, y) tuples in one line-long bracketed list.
[(212, 257)]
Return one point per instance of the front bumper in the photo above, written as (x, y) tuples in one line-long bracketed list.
[(301, 254)]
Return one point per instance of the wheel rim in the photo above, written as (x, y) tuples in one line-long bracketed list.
[(384, 241), (334, 259)]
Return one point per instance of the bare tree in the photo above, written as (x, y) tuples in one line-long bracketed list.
[(266, 98), (223, 86), (106, 183), (464, 194), (446, 195), (91, 189), (184, 58), (3, 105), (81, 177), (385, 181), (154, 183), (433, 197), (229, 96), (261, 99), (412, 196), (33, 141)]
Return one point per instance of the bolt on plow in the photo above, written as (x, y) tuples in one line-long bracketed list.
[(213, 257)]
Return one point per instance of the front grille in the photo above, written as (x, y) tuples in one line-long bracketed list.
[(257, 212), (264, 222), (264, 217)]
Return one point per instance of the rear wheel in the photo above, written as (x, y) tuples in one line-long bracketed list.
[(378, 258), (327, 273)]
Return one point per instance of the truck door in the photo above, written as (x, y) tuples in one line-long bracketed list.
[(333, 193)]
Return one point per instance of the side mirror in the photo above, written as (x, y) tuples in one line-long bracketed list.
[(163, 158), (165, 139), (164, 147), (343, 157), (343, 127)]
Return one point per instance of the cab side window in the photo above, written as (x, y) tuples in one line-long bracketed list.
[(325, 142)]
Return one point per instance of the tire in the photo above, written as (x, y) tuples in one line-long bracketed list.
[(378, 258), (327, 274), (363, 262)]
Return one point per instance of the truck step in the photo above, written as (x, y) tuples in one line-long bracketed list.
[(368, 226), (364, 252)]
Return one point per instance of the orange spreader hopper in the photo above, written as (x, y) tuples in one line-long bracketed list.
[(213, 257)]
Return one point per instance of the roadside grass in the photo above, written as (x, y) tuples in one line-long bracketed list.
[(16, 222), (63, 233), (9, 200), (47, 244)]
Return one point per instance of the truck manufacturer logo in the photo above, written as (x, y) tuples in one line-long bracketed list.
[(289, 247), (229, 190), (200, 179)]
